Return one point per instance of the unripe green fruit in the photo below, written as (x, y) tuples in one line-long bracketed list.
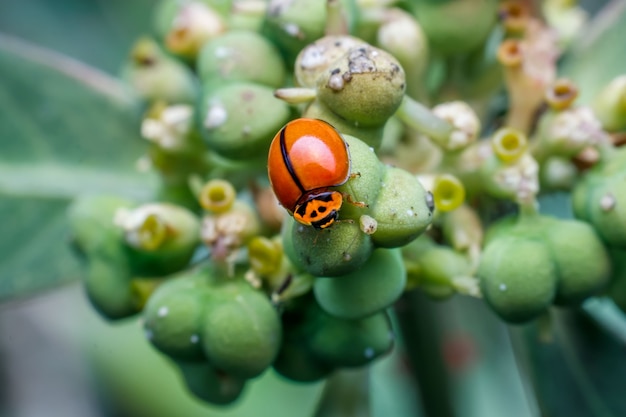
[(154, 75), (439, 265), (315, 59), (601, 200), (169, 253), (352, 343), (456, 26), (365, 186), (517, 277), (401, 211), (173, 316), (365, 86), (91, 222), (334, 251), (295, 360), (239, 120), (294, 24), (107, 284), (241, 56), (241, 332), (209, 384), (365, 291), (581, 260)]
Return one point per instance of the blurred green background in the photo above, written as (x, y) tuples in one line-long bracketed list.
[(61, 111)]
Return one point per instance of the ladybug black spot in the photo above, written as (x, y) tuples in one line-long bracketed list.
[(313, 214), (322, 209)]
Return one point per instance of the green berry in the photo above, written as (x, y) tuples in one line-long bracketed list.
[(365, 291), (365, 86), (209, 384), (241, 56), (517, 277), (173, 316), (352, 343), (402, 210), (241, 331), (239, 120), (581, 260), (333, 251)]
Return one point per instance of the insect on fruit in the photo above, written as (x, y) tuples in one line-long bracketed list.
[(306, 158)]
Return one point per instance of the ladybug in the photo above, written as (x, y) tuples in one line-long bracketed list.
[(306, 158)]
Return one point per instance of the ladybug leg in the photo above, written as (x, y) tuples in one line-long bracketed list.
[(354, 175), (349, 199)]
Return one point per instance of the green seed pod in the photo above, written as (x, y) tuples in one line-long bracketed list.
[(352, 343), (241, 333), (365, 186), (601, 200), (334, 251), (185, 26), (107, 284), (209, 384), (403, 209), (293, 24), (610, 105), (153, 75), (91, 222), (457, 26), (517, 277), (173, 316), (241, 56), (582, 262), (403, 37), (161, 237), (315, 59), (107, 281), (363, 292), (365, 86), (438, 267), (296, 361), (239, 120)]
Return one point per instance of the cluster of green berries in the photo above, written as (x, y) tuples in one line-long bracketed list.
[(230, 284)]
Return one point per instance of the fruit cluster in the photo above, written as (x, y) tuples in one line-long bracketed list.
[(379, 193)]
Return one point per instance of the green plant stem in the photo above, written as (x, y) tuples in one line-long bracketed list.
[(421, 118), (346, 394), (422, 336)]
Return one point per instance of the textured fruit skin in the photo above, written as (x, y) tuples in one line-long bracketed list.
[(241, 331), (517, 278), (366, 291), (582, 261), (306, 155)]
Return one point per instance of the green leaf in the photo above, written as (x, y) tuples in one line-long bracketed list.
[(97, 32), (598, 56), (576, 368), (65, 129)]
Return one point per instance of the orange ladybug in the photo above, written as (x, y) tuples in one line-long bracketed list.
[(306, 158)]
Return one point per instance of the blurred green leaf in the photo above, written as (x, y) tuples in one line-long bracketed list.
[(98, 32), (598, 55), (576, 369), (65, 129)]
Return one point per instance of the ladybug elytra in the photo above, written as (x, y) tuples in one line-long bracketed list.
[(306, 158)]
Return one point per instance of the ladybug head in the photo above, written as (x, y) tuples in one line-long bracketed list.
[(318, 209)]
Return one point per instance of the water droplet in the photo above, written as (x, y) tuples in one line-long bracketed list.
[(194, 338), (149, 334), (369, 352), (607, 202), (410, 212), (502, 287), (163, 311), (347, 257)]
